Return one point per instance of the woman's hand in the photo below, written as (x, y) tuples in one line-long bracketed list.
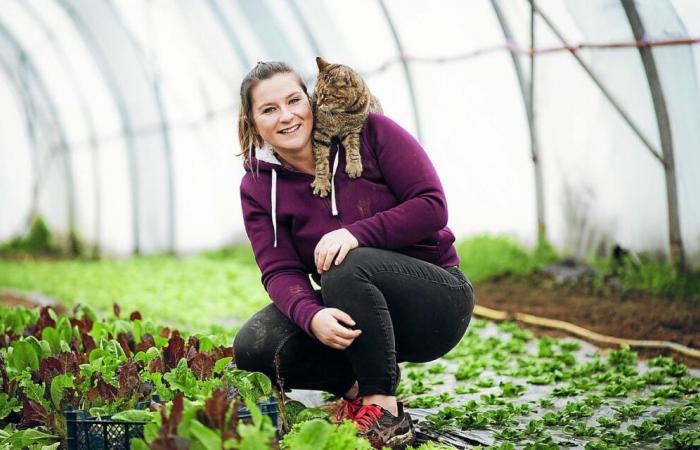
[(327, 327), (339, 241)]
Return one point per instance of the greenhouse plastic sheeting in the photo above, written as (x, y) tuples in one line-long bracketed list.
[(119, 118)]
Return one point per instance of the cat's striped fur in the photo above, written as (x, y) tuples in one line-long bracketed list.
[(341, 103)]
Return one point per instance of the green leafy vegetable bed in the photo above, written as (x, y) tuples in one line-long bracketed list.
[(503, 388), (499, 386), (51, 362), (48, 362)]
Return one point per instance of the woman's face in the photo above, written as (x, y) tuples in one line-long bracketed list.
[(282, 114)]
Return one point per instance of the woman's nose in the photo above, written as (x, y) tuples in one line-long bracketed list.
[(286, 114)]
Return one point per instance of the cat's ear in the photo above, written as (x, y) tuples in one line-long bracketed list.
[(320, 63)]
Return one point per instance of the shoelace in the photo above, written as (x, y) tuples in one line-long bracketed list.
[(349, 408), (366, 416)]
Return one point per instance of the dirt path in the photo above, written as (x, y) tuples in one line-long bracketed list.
[(9, 300)]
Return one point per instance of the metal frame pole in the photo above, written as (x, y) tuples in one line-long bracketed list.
[(663, 122), (406, 70), (527, 91)]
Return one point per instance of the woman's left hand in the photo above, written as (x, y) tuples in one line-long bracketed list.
[(339, 241)]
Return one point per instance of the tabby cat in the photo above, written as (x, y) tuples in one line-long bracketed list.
[(341, 103)]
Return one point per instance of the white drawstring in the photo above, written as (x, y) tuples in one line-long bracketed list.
[(334, 208), (263, 154), (273, 197)]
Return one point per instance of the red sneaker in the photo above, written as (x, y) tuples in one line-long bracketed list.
[(382, 428), (346, 410)]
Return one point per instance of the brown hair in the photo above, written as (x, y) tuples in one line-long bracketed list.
[(247, 136)]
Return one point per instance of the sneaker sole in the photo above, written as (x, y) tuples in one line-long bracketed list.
[(401, 439)]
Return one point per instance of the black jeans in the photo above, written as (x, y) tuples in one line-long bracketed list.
[(408, 310)]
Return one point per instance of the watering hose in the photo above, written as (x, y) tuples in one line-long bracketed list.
[(494, 314)]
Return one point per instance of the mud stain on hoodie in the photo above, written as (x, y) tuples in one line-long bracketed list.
[(363, 207)]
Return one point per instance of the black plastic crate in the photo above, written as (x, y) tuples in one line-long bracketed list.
[(267, 408), (91, 433)]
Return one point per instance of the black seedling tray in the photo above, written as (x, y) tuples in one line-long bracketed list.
[(92, 433), (268, 408)]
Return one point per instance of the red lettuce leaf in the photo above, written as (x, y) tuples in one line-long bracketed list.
[(146, 343), (174, 352)]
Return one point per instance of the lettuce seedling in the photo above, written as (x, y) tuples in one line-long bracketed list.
[(501, 416), (622, 357), (577, 410), (687, 440), (606, 422), (625, 412), (646, 431), (509, 389), (534, 427), (473, 420), (581, 429)]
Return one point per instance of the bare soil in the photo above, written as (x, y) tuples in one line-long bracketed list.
[(9, 301), (624, 315)]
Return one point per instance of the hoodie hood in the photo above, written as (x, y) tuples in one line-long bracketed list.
[(264, 158)]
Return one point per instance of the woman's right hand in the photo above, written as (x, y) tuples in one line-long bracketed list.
[(327, 327)]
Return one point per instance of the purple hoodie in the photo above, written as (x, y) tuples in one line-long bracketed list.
[(397, 204)]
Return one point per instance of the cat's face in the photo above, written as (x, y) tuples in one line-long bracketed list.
[(338, 87), (282, 113)]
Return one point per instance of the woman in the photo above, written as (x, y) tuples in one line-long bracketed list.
[(378, 245)]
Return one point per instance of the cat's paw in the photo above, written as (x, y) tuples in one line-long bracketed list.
[(321, 187), (353, 169)]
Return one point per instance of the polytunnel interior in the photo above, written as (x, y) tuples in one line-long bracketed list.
[(118, 119)]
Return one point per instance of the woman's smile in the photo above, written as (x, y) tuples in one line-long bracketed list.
[(290, 130)]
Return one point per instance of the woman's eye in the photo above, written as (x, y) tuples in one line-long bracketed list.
[(295, 100), (267, 110)]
